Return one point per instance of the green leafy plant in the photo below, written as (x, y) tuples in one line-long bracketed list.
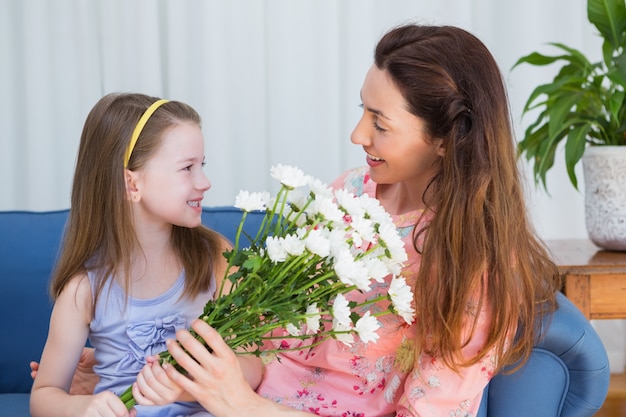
[(585, 102)]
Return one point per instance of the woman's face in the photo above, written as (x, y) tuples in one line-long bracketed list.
[(397, 148)]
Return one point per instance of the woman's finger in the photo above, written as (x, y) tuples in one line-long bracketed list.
[(212, 338)]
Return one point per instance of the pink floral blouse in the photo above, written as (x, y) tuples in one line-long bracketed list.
[(362, 380)]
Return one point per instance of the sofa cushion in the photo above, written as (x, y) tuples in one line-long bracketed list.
[(29, 245), (15, 405)]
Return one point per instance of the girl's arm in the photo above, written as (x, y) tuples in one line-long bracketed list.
[(69, 328), (85, 379)]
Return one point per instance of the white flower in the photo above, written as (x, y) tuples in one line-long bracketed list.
[(349, 203), (293, 330), (340, 333), (319, 188), (376, 269), (363, 230), (337, 239), (401, 298), (313, 318), (327, 208), (275, 249), (374, 210), (389, 235), (366, 327), (298, 200), (247, 201), (289, 176), (293, 245), (316, 242), (351, 271), (341, 310)]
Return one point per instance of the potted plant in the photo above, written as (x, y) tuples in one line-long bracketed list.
[(585, 107)]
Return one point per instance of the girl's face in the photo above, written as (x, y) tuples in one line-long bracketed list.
[(172, 183), (394, 140)]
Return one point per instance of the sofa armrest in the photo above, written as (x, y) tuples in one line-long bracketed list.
[(567, 374)]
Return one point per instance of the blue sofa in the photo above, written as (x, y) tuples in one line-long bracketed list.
[(567, 375)]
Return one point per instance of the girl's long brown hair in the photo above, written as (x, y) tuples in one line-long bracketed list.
[(99, 233), (479, 247)]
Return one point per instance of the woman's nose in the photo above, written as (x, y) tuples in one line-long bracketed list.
[(360, 133)]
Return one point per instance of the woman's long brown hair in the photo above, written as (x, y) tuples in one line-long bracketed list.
[(99, 234), (479, 247)]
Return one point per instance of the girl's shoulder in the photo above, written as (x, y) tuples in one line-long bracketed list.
[(77, 293)]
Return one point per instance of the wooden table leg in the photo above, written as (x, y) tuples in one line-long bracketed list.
[(577, 289)]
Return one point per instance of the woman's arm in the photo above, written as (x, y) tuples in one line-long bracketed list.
[(222, 381)]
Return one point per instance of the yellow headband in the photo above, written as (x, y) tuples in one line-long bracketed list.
[(140, 125)]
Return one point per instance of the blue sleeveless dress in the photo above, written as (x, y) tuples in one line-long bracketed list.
[(123, 335)]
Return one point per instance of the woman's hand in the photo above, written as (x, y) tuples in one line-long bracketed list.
[(216, 380), (84, 380)]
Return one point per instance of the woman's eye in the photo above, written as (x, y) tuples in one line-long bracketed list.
[(188, 168), (377, 127)]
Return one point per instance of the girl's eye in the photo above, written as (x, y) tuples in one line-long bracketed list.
[(203, 164), (188, 168)]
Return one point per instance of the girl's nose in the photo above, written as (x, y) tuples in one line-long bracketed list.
[(204, 183)]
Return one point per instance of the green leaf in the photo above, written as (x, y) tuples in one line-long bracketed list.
[(573, 55), (559, 109), (538, 59), (609, 17), (253, 263), (617, 74), (574, 149), (615, 106)]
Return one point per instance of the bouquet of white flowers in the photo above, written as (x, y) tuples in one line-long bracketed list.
[(313, 246)]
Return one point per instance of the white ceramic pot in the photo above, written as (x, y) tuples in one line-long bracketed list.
[(604, 169)]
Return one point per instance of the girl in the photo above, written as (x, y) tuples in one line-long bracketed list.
[(136, 264), (441, 159)]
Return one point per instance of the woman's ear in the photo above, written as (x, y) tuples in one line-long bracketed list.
[(441, 150), (132, 191)]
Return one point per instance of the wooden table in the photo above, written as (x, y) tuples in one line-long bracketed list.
[(594, 279)]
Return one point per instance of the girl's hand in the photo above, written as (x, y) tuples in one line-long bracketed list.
[(154, 386), (104, 404)]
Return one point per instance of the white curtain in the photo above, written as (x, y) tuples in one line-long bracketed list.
[(276, 81)]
